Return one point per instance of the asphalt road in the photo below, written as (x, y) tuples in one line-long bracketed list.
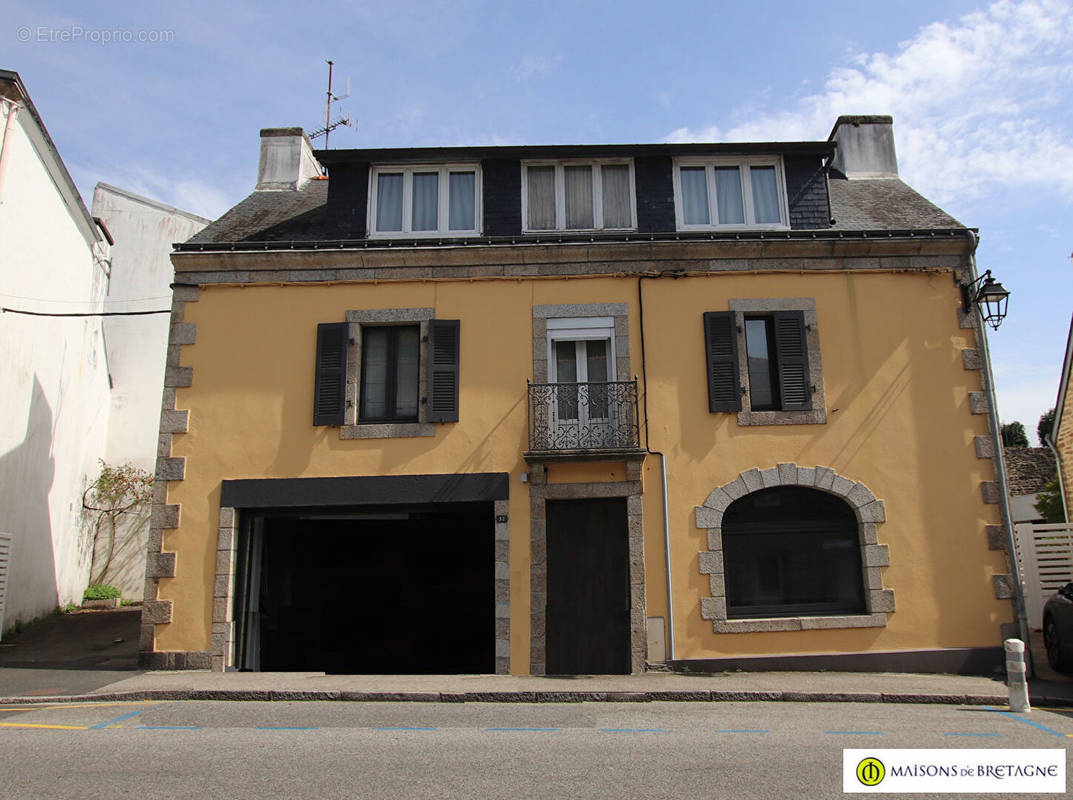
[(425, 750)]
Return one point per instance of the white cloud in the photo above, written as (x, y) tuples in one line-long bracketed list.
[(184, 193), (978, 104), (531, 66)]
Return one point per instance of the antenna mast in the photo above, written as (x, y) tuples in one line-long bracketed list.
[(344, 118)]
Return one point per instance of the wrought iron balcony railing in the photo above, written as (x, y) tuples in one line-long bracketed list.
[(583, 416)]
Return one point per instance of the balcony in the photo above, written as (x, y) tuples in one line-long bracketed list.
[(583, 420)]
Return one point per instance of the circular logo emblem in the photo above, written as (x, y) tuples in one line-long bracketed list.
[(870, 771)]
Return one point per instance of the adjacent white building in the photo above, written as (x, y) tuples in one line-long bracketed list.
[(74, 389)]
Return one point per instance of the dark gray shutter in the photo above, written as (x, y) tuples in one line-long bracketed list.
[(791, 354), (329, 393), (721, 353), (443, 342)]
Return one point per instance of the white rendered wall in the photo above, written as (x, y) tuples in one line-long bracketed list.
[(53, 380), (141, 276)]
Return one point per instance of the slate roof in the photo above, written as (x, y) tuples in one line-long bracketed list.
[(883, 204), (1028, 469)]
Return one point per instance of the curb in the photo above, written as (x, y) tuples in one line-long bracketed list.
[(715, 696)]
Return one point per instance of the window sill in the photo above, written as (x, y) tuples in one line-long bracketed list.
[(877, 620), (387, 430), (817, 416)]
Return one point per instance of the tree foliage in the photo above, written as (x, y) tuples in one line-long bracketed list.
[(1013, 435), (1049, 502), (1046, 424)]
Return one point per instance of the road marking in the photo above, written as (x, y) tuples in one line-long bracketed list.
[(971, 734), (50, 727), (548, 730), (1010, 714), (743, 730), (283, 728), (110, 722), (401, 728), (854, 733), (633, 730)]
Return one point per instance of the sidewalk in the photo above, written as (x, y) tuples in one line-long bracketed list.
[(81, 656)]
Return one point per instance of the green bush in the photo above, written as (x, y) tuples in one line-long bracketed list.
[(101, 591)]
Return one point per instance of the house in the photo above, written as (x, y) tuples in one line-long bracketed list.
[(577, 409), (54, 259), (61, 374), (136, 349)]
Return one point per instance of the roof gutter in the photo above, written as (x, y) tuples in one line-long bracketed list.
[(586, 238)]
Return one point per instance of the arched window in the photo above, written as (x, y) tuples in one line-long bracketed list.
[(792, 551)]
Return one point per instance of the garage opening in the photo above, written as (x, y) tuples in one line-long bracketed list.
[(373, 590)]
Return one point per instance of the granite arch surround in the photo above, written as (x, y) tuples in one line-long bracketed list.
[(869, 511)]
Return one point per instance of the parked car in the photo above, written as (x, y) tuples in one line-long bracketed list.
[(1058, 629)]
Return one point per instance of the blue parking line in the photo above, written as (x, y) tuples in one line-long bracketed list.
[(743, 730), (401, 728), (1019, 718), (633, 730), (169, 727), (971, 734), (283, 728), (114, 720), (538, 730), (854, 733)]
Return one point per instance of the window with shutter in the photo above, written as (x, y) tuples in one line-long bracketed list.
[(775, 367), (329, 393), (721, 350), (443, 365)]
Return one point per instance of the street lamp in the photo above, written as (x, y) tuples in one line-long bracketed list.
[(991, 298)]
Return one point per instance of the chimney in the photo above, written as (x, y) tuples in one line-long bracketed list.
[(287, 161), (865, 147)]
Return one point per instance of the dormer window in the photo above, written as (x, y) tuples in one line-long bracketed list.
[(578, 196), (729, 193), (425, 201)]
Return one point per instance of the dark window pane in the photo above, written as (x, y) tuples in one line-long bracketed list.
[(791, 551), (390, 365), (761, 359)]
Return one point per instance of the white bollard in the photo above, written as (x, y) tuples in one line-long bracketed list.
[(1015, 675)]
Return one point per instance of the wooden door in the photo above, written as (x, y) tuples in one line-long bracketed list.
[(588, 602)]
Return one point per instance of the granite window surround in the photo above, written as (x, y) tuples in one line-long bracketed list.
[(817, 415), (870, 514), (353, 427), (619, 312)]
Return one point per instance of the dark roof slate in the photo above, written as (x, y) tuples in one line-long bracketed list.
[(275, 215), (1028, 469), (885, 204)]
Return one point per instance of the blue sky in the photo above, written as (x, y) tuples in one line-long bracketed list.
[(981, 94)]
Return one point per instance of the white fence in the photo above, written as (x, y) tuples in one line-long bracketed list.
[(1046, 556), (5, 563)]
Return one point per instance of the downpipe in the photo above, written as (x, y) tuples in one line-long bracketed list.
[(1000, 467)]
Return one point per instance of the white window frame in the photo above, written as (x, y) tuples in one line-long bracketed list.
[(743, 164), (579, 329), (444, 208), (560, 193)]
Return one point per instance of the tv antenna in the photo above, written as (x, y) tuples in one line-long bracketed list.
[(344, 117)]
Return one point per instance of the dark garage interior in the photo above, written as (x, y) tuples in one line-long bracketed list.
[(391, 590)]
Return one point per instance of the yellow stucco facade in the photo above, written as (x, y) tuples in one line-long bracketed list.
[(896, 390)]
